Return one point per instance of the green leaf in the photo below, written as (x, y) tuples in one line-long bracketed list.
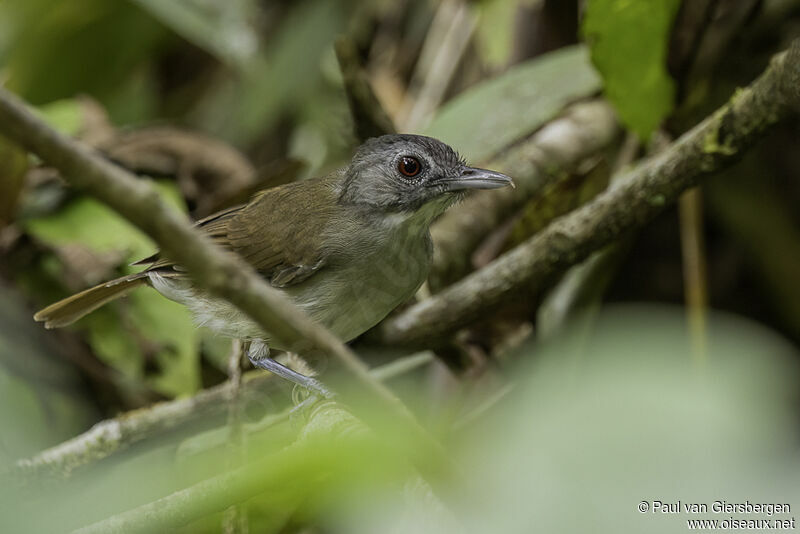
[(224, 29), (490, 116), (64, 115), (494, 33), (273, 85), (42, 398), (169, 326), (629, 40), (52, 50), (93, 224)]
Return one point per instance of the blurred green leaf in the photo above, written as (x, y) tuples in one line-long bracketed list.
[(223, 29), (493, 114), (596, 423), (64, 115), (495, 30), (629, 43), (601, 421), (112, 342), (153, 326), (13, 166), (279, 81), (41, 395), (53, 50), (93, 224), (168, 325)]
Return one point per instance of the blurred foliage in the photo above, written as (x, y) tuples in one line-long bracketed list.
[(40, 393), (148, 326), (57, 49), (225, 30), (63, 115), (520, 101), (596, 423), (494, 33), (629, 42), (12, 177)]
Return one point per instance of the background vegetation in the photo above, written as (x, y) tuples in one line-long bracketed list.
[(613, 384)]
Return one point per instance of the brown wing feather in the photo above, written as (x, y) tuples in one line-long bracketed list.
[(266, 234)]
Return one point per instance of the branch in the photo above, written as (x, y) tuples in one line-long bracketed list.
[(115, 435), (582, 131), (637, 197), (220, 273), (327, 435)]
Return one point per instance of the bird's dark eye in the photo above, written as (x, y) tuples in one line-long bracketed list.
[(409, 166)]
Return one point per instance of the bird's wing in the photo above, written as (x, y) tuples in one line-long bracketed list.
[(279, 232)]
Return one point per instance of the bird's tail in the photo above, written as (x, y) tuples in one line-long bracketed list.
[(70, 309)]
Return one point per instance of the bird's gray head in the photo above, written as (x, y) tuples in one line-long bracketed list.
[(404, 173)]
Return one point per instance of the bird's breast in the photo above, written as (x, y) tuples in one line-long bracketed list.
[(364, 286), (356, 289)]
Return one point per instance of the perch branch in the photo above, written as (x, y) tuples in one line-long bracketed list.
[(635, 199)]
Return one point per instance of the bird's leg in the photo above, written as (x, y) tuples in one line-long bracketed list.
[(258, 354)]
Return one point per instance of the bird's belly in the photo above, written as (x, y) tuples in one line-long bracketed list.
[(348, 299), (355, 299)]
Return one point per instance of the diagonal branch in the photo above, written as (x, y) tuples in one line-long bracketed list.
[(637, 197), (220, 273), (583, 130), (111, 436)]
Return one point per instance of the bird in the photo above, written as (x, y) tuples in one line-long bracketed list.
[(347, 247)]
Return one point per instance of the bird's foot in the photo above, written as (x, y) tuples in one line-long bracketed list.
[(314, 386)]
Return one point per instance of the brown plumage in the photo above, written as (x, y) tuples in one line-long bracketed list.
[(258, 231)]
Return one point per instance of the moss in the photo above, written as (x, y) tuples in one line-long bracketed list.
[(711, 141)]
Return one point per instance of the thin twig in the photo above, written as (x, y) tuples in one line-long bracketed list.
[(695, 282), (234, 520)]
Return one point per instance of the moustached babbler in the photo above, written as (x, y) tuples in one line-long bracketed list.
[(347, 248)]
